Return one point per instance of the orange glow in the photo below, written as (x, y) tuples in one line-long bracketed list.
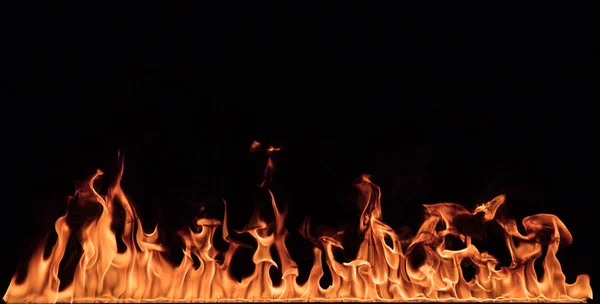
[(380, 272)]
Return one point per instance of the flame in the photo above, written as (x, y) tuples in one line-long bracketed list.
[(268, 174), (381, 270)]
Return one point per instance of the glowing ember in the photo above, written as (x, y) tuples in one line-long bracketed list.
[(380, 272)]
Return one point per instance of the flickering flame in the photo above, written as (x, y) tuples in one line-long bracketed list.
[(380, 272)]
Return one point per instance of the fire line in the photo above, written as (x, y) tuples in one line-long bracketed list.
[(380, 272)]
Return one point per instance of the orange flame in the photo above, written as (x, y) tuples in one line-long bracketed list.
[(268, 174), (380, 272)]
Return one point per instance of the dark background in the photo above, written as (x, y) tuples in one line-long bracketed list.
[(437, 106)]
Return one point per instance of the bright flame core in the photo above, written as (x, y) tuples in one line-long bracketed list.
[(380, 271)]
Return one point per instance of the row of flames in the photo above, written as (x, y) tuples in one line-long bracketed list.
[(380, 271)]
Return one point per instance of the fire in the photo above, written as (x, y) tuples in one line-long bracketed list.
[(381, 270)]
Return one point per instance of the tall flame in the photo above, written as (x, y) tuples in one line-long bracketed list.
[(381, 270)]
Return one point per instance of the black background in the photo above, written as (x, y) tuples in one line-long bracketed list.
[(437, 106)]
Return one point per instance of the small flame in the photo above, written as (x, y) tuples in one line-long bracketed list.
[(254, 146), (268, 174), (380, 272)]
